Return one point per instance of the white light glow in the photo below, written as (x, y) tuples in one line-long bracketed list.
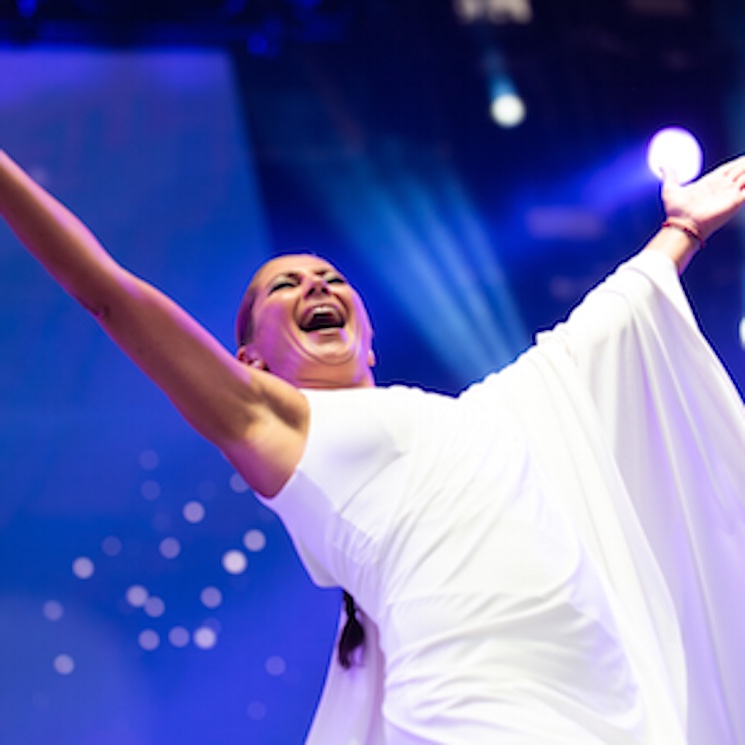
[(194, 512), (234, 562), (136, 596), (211, 597), (64, 664), (148, 640), (178, 636), (237, 484), (494, 11), (154, 607), (677, 151), (205, 638), (508, 110), (83, 567), (254, 540), (742, 332), (170, 548)]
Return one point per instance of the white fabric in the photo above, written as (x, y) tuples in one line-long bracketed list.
[(543, 556)]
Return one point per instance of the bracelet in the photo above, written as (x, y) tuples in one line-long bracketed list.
[(693, 232)]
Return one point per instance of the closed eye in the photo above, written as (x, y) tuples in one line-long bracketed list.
[(281, 285)]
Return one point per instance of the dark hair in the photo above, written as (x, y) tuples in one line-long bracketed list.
[(352, 635), (244, 320)]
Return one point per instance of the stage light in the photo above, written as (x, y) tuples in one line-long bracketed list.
[(675, 150), (742, 332), (507, 109), (27, 8), (499, 12), (506, 106)]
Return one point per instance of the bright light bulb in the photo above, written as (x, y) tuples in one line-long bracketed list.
[(675, 150), (508, 110)]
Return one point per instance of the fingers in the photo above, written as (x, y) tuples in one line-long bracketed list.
[(735, 169)]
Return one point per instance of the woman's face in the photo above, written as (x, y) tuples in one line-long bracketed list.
[(310, 326)]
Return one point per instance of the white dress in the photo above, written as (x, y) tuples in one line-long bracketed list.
[(533, 558)]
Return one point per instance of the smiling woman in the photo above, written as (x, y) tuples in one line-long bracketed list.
[(510, 548), (302, 321)]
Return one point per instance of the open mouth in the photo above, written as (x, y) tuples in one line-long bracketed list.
[(321, 317)]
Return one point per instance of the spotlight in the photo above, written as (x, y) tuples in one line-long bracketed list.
[(742, 332), (507, 108), (676, 150)]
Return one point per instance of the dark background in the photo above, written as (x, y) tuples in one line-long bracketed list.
[(198, 138)]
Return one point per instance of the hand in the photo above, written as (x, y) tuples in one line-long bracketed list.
[(708, 203)]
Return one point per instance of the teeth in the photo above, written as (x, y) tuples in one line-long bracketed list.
[(321, 316)]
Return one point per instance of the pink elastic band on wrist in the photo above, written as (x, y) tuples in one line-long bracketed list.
[(693, 232)]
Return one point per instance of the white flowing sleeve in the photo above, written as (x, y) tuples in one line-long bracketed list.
[(637, 425), (676, 425)]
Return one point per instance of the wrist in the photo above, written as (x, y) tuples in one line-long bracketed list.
[(689, 227)]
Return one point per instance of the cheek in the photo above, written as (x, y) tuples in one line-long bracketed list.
[(274, 336)]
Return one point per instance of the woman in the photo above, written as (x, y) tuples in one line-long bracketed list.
[(515, 577)]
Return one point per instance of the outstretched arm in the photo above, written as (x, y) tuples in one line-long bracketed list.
[(256, 419), (695, 211)]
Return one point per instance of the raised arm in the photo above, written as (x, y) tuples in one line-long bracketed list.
[(697, 210), (256, 419)]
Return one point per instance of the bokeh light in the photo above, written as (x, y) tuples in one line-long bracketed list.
[(508, 110), (154, 607), (275, 666), (149, 640), (194, 512), (64, 664), (136, 596), (211, 597), (677, 151), (254, 540), (170, 547), (179, 637), (234, 562), (205, 637), (53, 610), (238, 484), (83, 567)]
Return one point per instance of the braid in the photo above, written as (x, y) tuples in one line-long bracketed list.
[(352, 635)]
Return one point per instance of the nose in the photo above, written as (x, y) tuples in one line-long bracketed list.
[(317, 285)]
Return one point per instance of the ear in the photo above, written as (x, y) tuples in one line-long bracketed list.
[(371, 358), (249, 357)]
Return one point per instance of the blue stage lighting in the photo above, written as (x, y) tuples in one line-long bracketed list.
[(27, 8)]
